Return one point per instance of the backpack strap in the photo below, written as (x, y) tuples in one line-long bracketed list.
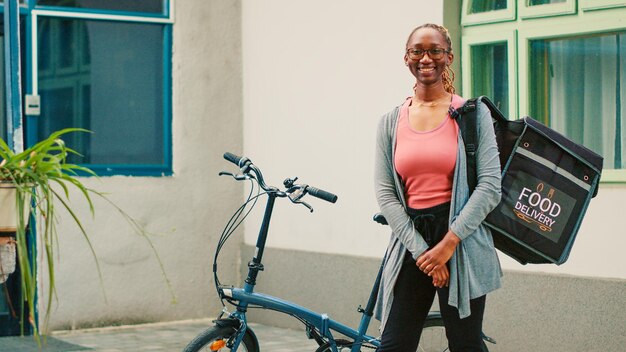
[(465, 117)]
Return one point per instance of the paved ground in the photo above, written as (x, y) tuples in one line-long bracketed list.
[(174, 336)]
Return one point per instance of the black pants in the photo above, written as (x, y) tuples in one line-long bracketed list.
[(414, 294)]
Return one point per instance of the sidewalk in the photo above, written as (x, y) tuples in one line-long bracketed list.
[(174, 336)]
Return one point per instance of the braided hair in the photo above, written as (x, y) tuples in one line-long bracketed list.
[(448, 74)]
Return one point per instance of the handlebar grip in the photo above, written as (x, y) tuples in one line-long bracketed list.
[(321, 194), (380, 218), (232, 158), (235, 159)]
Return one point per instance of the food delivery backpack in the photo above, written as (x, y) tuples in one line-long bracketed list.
[(547, 184)]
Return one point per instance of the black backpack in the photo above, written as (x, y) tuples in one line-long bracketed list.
[(547, 184)]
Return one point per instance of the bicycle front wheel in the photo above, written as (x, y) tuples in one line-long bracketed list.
[(217, 338)]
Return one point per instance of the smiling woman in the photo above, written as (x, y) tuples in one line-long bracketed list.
[(420, 182)]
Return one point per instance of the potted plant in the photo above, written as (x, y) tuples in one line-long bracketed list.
[(37, 183)]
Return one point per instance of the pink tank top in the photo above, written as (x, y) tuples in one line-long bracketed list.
[(425, 160)]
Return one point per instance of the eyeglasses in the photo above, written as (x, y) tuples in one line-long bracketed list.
[(434, 53)]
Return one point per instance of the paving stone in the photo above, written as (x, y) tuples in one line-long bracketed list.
[(174, 336)]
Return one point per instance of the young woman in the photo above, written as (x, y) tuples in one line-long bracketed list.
[(438, 243)]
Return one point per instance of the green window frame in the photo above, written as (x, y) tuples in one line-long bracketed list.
[(527, 10), (588, 18), (589, 5)]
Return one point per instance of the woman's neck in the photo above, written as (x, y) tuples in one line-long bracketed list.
[(430, 94)]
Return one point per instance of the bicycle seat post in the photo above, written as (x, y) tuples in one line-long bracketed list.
[(255, 265)]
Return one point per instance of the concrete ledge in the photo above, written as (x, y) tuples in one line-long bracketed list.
[(532, 312)]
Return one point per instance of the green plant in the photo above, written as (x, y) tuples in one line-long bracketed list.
[(43, 177)]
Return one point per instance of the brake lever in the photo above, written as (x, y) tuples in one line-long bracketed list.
[(238, 177), (305, 204), (296, 193)]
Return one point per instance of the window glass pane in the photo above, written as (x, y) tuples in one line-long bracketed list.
[(578, 88), (150, 6), (544, 2), (106, 77), (490, 74), (477, 6)]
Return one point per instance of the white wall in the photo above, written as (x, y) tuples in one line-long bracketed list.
[(317, 77)]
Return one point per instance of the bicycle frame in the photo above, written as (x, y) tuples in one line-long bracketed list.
[(319, 326), (321, 322)]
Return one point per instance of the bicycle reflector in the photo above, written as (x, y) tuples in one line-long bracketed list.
[(217, 345)]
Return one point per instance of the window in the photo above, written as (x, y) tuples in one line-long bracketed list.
[(490, 72), (565, 68), (544, 2), (487, 11), (491, 59), (541, 8), (580, 83), (108, 74), (478, 6), (106, 77)]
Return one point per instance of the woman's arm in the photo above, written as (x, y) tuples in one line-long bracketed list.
[(386, 192), (482, 201), (487, 194)]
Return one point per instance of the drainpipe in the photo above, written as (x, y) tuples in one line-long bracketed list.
[(12, 78)]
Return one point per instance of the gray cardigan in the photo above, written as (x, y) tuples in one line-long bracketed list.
[(474, 266)]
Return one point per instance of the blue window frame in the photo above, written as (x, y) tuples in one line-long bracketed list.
[(106, 72), (145, 6)]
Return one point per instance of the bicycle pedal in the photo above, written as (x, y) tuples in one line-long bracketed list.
[(489, 339)]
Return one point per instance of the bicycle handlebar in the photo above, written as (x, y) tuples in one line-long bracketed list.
[(246, 166), (237, 160), (321, 194)]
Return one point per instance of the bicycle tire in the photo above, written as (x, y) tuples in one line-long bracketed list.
[(215, 334)]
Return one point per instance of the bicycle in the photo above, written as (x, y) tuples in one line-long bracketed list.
[(231, 331)]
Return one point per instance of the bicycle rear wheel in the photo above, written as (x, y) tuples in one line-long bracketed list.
[(217, 339)]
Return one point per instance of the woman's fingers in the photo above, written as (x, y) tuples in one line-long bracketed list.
[(441, 276)]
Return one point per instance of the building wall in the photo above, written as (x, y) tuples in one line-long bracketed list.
[(317, 77), (183, 213)]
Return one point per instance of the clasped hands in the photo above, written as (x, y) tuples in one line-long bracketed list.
[(433, 261)]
